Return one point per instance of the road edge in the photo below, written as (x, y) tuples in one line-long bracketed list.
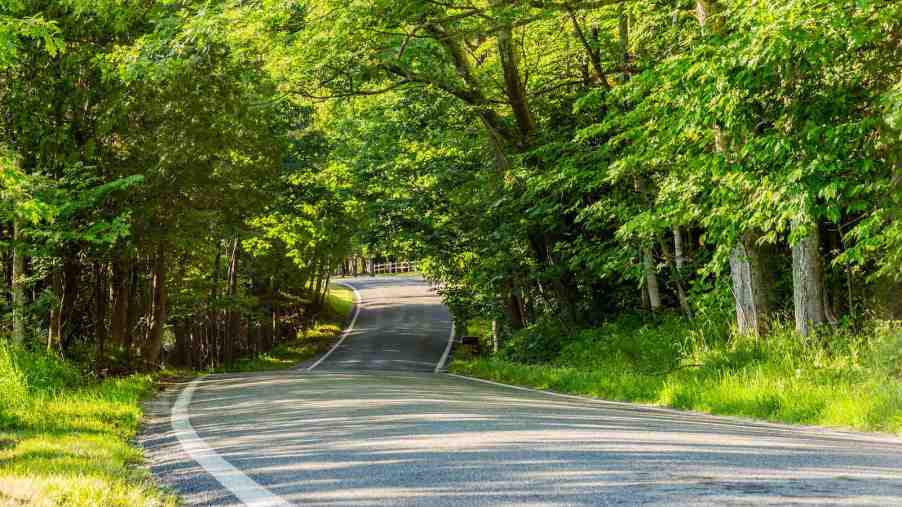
[(823, 430), (357, 304), (440, 367), (247, 490)]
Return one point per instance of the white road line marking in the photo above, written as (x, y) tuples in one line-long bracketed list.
[(347, 331), (243, 487), (441, 362)]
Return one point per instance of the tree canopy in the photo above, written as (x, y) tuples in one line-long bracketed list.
[(181, 178)]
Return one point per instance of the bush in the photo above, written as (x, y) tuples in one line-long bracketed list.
[(540, 342)]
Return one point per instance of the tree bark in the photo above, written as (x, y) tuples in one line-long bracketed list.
[(651, 278), (154, 343), (752, 285), (672, 263), (592, 52), (513, 82), (809, 293)]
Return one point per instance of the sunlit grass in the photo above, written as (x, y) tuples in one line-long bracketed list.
[(65, 440), (841, 380)]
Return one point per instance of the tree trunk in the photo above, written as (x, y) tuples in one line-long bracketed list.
[(651, 279), (120, 285), (18, 286), (513, 82), (71, 272), (669, 258), (809, 293), (213, 334), (234, 317), (752, 285), (55, 326), (182, 343), (154, 344), (679, 255), (135, 309), (511, 307), (100, 308)]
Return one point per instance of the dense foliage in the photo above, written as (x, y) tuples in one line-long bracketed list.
[(569, 161), (180, 178), (162, 201)]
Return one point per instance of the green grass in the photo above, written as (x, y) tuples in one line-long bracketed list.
[(844, 379), (309, 343), (65, 440)]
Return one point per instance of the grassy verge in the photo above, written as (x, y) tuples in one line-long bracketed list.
[(310, 343), (66, 438), (66, 441), (849, 380)]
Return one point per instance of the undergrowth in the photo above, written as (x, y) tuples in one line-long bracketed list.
[(65, 437), (841, 378)]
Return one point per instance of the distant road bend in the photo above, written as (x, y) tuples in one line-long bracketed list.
[(372, 424)]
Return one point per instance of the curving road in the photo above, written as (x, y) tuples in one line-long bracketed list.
[(371, 425)]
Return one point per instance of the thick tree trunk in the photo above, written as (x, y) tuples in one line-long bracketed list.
[(651, 279), (752, 285), (154, 343), (512, 309), (809, 294), (18, 286), (513, 82)]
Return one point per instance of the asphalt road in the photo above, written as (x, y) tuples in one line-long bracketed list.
[(371, 425)]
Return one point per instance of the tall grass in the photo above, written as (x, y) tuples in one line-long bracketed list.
[(64, 437), (845, 378)]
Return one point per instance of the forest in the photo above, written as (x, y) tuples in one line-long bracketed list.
[(618, 197)]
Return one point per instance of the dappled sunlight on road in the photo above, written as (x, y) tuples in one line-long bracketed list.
[(372, 426), (397, 438)]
